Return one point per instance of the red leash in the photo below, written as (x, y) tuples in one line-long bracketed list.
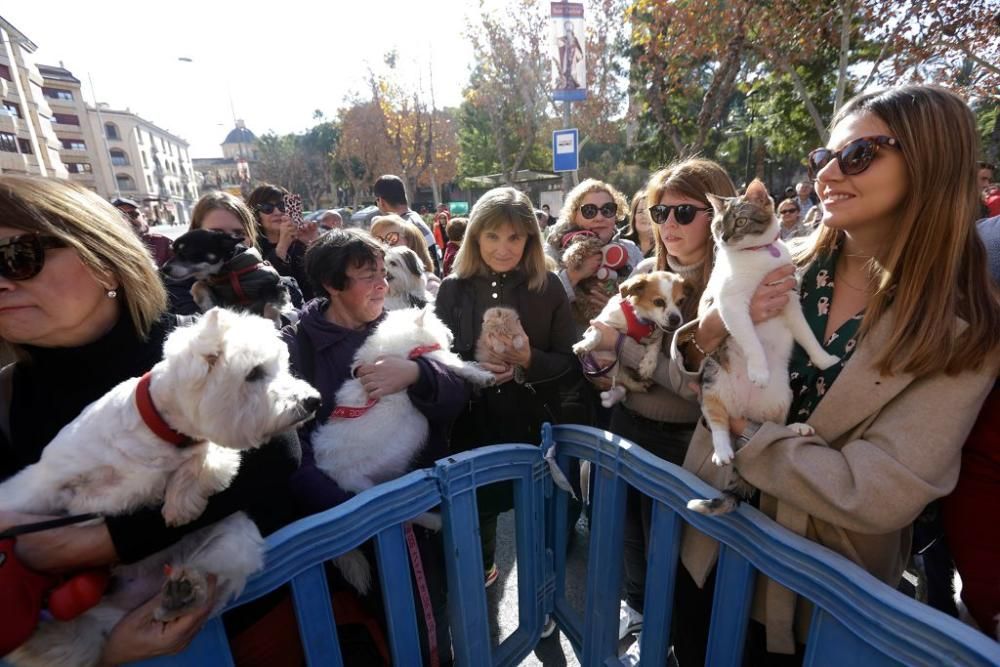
[(355, 411), (425, 595)]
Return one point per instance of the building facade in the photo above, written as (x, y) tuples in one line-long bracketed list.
[(147, 164), (232, 172), (28, 143)]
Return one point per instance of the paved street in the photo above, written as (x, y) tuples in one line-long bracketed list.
[(555, 651)]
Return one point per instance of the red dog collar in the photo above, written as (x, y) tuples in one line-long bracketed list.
[(152, 418), (353, 412), (637, 328)]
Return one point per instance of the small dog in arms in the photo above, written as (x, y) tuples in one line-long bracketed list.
[(368, 441), (172, 437), (748, 375), (646, 307)]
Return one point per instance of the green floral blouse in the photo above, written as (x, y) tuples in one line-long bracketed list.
[(809, 384)]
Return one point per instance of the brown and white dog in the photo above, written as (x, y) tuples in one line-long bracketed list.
[(647, 306)]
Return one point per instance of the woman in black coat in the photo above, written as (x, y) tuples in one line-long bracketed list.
[(501, 263)]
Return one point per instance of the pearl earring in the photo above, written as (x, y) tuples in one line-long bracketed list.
[(112, 293)]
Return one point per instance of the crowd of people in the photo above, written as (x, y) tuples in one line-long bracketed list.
[(887, 243)]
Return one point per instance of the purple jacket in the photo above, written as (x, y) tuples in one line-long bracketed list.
[(439, 394)]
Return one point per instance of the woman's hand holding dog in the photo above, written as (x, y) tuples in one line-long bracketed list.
[(138, 635), (387, 375), (61, 549)]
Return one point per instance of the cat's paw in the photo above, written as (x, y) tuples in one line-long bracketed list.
[(183, 591), (759, 375), (723, 448), (825, 361), (802, 429)]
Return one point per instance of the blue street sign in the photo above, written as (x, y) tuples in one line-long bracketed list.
[(565, 150)]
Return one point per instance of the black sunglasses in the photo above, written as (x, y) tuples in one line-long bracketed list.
[(684, 214), (22, 257), (268, 209), (853, 158), (589, 211)]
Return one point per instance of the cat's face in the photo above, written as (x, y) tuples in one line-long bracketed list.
[(746, 220)]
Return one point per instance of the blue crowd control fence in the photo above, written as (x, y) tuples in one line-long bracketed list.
[(856, 621)]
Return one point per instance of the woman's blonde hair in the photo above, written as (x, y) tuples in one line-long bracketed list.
[(211, 201), (497, 207), (98, 232), (565, 222), (412, 237), (933, 268), (692, 178)]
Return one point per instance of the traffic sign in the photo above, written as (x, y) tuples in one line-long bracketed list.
[(565, 150)]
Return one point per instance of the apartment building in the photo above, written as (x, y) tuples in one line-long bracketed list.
[(28, 143)]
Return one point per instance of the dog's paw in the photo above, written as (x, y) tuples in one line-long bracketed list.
[(581, 348), (759, 375), (183, 591), (647, 367), (181, 509), (802, 429)]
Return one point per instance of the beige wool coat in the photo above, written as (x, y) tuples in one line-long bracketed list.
[(885, 447)]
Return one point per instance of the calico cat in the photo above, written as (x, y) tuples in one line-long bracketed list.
[(748, 375)]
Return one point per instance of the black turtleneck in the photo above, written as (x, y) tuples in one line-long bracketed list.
[(54, 385)]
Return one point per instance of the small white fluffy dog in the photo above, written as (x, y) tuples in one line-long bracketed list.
[(365, 443), (224, 383), (646, 307), (407, 282)]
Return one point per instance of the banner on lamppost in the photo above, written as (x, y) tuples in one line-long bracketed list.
[(569, 62)]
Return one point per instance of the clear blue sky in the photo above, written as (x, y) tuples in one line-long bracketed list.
[(279, 61)]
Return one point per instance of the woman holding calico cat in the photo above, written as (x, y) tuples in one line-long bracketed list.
[(82, 309), (663, 419), (894, 283), (501, 263)]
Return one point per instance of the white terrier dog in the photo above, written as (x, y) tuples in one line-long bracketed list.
[(174, 437), (366, 442), (407, 283)]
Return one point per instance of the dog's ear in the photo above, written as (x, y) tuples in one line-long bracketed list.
[(633, 287), (412, 262), (213, 337)]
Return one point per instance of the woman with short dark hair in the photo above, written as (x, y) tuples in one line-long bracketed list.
[(281, 242)]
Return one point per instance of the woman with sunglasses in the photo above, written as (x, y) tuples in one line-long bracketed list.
[(222, 212), (895, 283), (82, 309), (663, 419), (281, 242), (593, 206), (792, 224), (393, 230), (639, 229)]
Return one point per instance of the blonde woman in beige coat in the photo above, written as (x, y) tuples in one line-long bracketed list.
[(895, 281)]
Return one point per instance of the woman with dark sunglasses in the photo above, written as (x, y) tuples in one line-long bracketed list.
[(598, 207), (82, 309), (662, 420), (281, 242), (790, 216), (894, 283)]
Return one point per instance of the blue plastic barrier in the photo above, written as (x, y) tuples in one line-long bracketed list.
[(857, 619)]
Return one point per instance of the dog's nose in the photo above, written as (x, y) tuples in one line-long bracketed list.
[(674, 320), (311, 404)]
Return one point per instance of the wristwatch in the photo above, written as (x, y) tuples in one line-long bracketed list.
[(748, 432)]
